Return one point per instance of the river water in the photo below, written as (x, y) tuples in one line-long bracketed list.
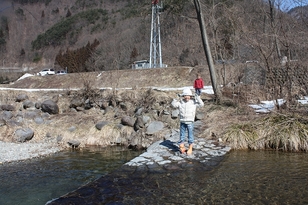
[(259, 177), (36, 181), (242, 177)]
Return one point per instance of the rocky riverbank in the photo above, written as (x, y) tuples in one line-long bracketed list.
[(73, 111), (39, 123), (11, 152)]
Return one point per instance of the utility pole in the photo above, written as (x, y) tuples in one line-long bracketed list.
[(207, 50), (155, 45)]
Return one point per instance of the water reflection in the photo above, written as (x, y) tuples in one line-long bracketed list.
[(37, 181)]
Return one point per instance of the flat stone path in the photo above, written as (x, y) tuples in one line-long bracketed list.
[(166, 152), (146, 178)]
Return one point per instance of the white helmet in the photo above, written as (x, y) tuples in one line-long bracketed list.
[(187, 91)]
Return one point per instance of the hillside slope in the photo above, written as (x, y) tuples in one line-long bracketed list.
[(124, 30), (34, 32)]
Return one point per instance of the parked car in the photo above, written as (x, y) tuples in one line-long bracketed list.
[(61, 72), (47, 71)]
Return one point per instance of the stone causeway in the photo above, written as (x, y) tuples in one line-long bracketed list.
[(166, 152), (136, 181)]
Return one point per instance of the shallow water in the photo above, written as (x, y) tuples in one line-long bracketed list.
[(259, 177), (34, 182), (242, 177)]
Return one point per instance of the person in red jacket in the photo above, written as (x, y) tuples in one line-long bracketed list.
[(198, 85)]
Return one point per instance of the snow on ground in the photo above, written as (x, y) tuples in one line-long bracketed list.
[(304, 101), (26, 75), (206, 89), (267, 106)]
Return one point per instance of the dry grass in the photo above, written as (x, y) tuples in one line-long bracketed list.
[(241, 136), (280, 132)]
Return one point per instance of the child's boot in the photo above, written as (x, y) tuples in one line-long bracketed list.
[(182, 148), (189, 151)]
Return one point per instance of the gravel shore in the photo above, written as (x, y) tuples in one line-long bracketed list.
[(10, 152)]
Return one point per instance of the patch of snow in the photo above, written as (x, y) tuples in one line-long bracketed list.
[(304, 101), (26, 75), (267, 106), (206, 89)]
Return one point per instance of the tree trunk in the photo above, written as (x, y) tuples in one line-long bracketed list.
[(207, 51)]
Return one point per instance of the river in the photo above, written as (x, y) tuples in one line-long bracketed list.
[(242, 177), (36, 181)]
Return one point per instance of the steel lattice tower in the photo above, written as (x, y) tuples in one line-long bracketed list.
[(155, 46)]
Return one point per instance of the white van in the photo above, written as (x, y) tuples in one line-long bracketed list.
[(47, 71)]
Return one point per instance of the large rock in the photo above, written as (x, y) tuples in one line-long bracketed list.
[(175, 114), (21, 97), (74, 143), (103, 104), (7, 107), (139, 111), (200, 116), (127, 120), (101, 124), (154, 127), (38, 105), (31, 114), (50, 107), (28, 104), (6, 115), (88, 104), (23, 135), (76, 102), (146, 119), (123, 106), (139, 123), (38, 120)]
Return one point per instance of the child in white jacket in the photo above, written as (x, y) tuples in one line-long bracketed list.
[(187, 108)]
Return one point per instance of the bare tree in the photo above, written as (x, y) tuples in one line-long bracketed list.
[(280, 35)]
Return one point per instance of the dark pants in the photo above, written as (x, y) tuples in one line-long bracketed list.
[(198, 91)]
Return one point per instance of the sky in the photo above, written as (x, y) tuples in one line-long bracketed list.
[(286, 5)]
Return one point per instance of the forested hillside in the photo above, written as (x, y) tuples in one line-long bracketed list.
[(87, 35)]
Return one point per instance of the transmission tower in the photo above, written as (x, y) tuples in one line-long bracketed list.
[(155, 46)]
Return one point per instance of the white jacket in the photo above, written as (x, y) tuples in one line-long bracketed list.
[(187, 109)]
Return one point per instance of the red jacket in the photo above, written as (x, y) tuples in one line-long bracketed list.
[(198, 83)]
